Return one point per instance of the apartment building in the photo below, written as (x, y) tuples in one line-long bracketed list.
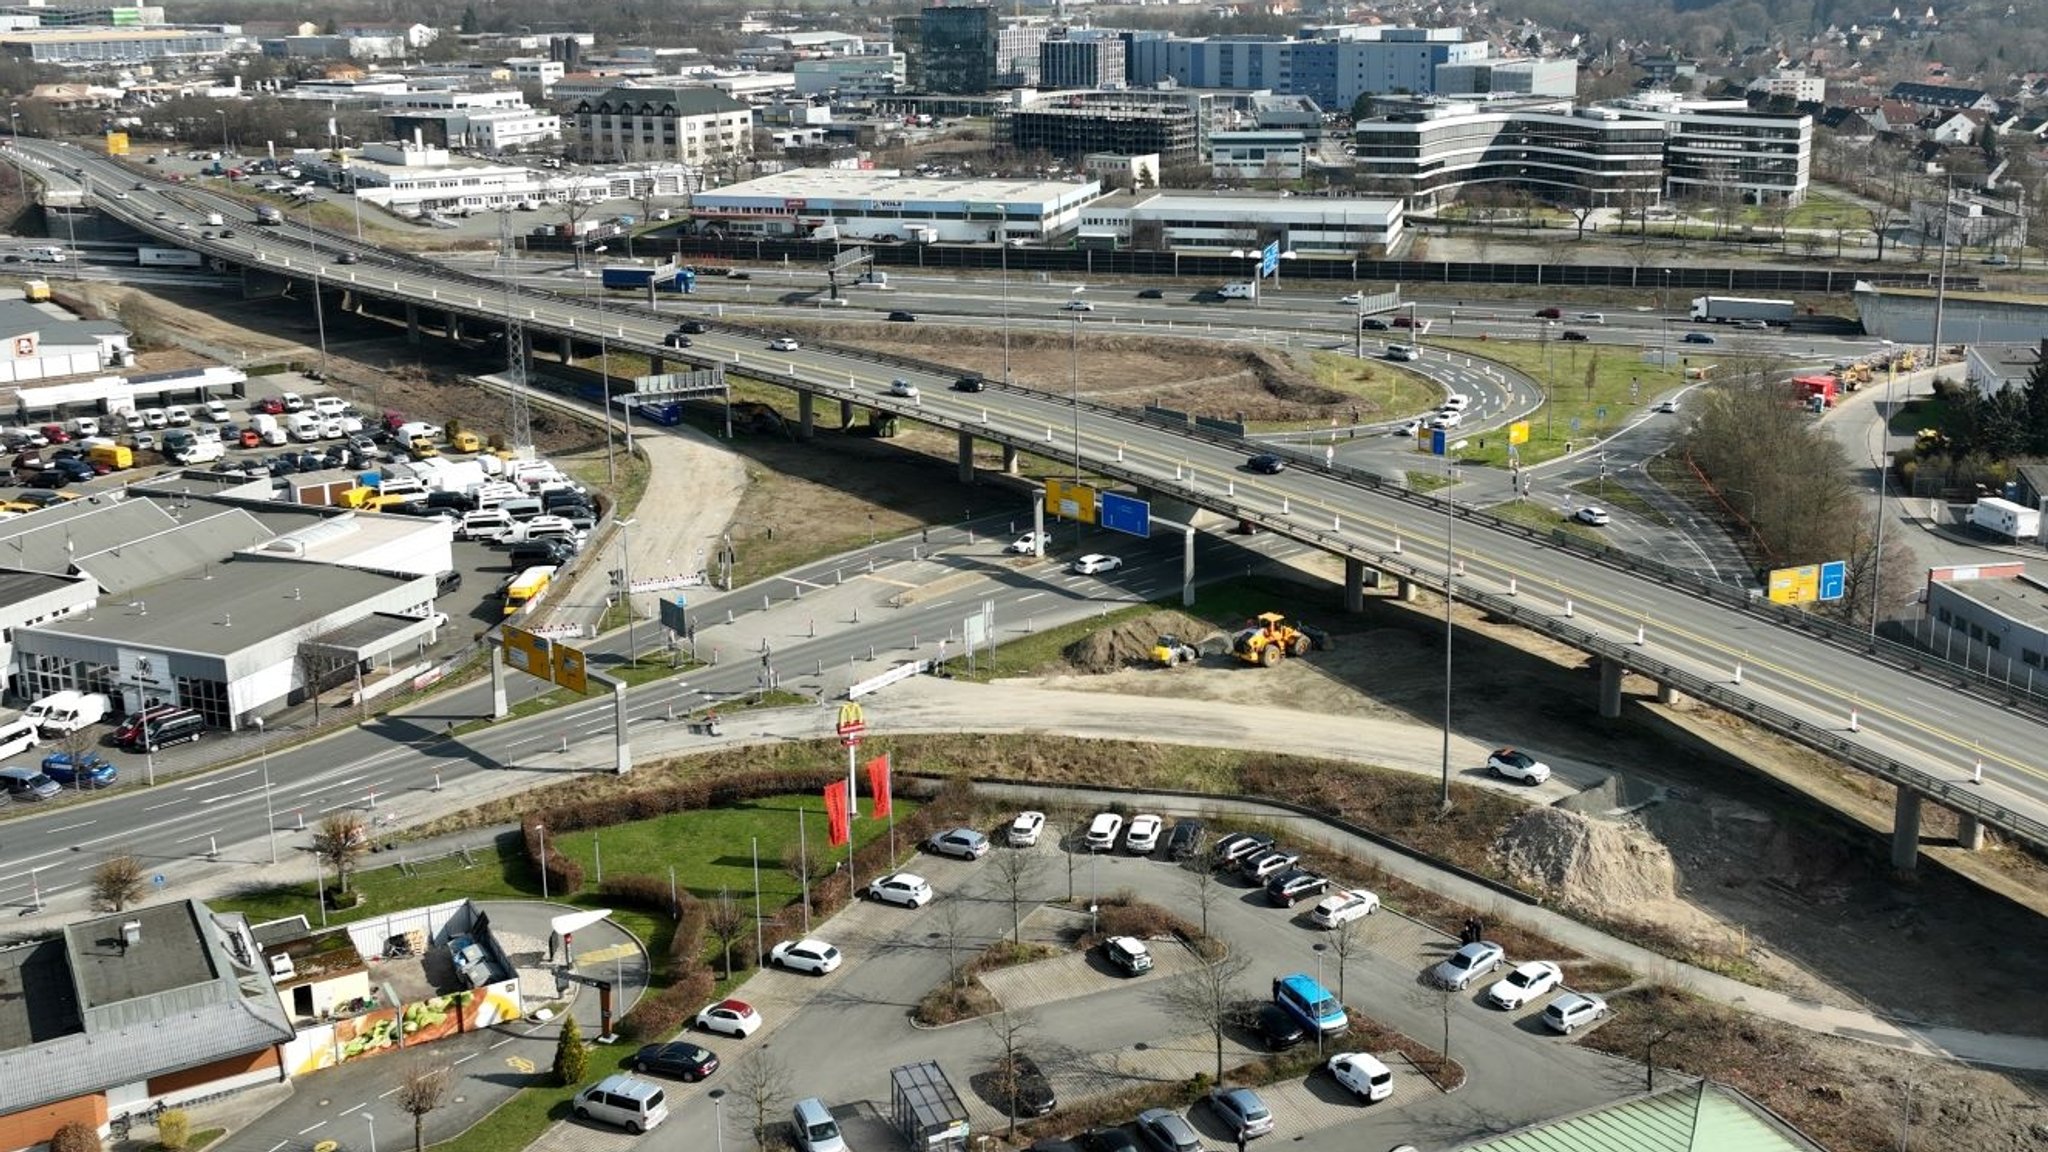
[(692, 125)]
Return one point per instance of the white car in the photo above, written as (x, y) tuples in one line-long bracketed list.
[(1447, 420), (1594, 515), (1078, 306), (1412, 428), (1515, 764), (732, 1017), (1095, 562), (1468, 964), (903, 388), (1363, 1075), (1525, 983), (1027, 544), (1143, 836), (1455, 402), (813, 956), (1340, 908), (901, 888), (783, 344), (1024, 830), (1572, 1010), (1354, 299), (1103, 831), (1666, 406)]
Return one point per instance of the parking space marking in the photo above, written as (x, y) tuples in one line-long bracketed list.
[(1079, 974)]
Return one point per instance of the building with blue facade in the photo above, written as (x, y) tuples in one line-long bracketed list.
[(1334, 69)]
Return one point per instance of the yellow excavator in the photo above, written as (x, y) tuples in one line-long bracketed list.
[(1273, 638), (1170, 650)]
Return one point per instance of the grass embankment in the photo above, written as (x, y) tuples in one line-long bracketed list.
[(1382, 391), (1589, 391)]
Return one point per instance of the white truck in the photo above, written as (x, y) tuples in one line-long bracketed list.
[(67, 711), (168, 258), (2005, 518), (1239, 290), (201, 450), (1722, 309), (266, 427)]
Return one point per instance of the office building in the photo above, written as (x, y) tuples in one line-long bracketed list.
[(1017, 47), (1257, 154), (1717, 149), (1524, 77), (112, 45), (1333, 71), (691, 125), (1429, 149), (1078, 61), (906, 33), (1196, 223), (958, 49), (852, 77)]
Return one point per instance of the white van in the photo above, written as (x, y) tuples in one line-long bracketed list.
[(68, 711), (631, 1103), (19, 736), (329, 405), (303, 425), (485, 524), (1238, 290), (1403, 352), (82, 426)]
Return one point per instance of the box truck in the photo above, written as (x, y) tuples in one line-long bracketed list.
[(2005, 518), (1239, 290), (168, 258), (1722, 309)]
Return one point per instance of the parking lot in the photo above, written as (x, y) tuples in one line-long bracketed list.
[(1095, 1033)]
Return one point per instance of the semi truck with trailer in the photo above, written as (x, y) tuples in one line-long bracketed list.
[(1723, 309), (2005, 518), (631, 276), (169, 258)]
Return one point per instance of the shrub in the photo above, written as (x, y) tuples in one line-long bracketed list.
[(648, 893), (572, 1057), (688, 943), (174, 1129), (75, 1137), (662, 1014)]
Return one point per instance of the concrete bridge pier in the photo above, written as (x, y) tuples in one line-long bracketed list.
[(1667, 695), (566, 348), (1404, 589), (1009, 460), (966, 458), (845, 414), (1354, 585), (1610, 689), (806, 415), (1969, 833), (1906, 831), (454, 325), (412, 323), (656, 366)]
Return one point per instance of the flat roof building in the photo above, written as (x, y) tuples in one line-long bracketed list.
[(1429, 149), (112, 45), (1334, 69), (1198, 223), (1720, 148), (1075, 128), (868, 205)]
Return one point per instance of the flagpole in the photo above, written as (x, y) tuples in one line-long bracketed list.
[(803, 865), (889, 774)]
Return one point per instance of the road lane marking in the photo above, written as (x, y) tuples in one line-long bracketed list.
[(81, 824)]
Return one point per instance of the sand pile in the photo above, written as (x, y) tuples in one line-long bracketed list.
[(1594, 864), (1130, 643)]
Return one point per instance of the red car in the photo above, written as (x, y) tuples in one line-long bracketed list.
[(1549, 314), (393, 421), (55, 434), (251, 438), (1404, 322), (271, 406)]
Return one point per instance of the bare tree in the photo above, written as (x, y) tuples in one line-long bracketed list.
[(807, 868), (1016, 875), (117, 883), (1206, 885), (1346, 941), (319, 663), (1882, 217), (726, 920), (1009, 1029), (1207, 996), (424, 1089), (761, 1084), (340, 839), (1436, 996), (953, 934)]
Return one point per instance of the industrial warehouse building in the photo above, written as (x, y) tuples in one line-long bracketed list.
[(870, 206)]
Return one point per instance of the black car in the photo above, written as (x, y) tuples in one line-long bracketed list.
[(1575, 337), (1267, 463), (447, 582), (556, 552), (1238, 845), (1108, 1140), (347, 258), (1373, 324), (47, 478), (1295, 885), (693, 327), (677, 1058), (1029, 1092), (1152, 294), (460, 501), (71, 466), (1278, 1028), (1185, 840), (678, 340), (902, 317)]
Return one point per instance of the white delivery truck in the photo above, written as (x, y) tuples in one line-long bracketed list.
[(1722, 309), (67, 711), (266, 427), (1239, 290), (2005, 518)]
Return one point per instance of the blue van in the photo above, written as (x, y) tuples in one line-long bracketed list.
[(1310, 1003)]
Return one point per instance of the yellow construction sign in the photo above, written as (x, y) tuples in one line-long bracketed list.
[(568, 669), (117, 143), (1799, 585), (1070, 501), (1518, 432), (543, 659)]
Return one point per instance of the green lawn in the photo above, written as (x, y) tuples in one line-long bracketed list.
[(709, 850), (1541, 516), (1615, 496), (1584, 384)]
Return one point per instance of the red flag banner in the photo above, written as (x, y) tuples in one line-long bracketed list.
[(878, 784), (835, 813)]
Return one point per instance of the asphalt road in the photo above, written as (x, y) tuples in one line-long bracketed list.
[(1919, 722)]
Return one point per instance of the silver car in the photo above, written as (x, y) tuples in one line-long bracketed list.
[(1167, 1131), (1242, 1112), (964, 843)]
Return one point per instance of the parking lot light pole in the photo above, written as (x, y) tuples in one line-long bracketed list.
[(626, 584), (541, 830), (718, 1111), (1319, 948), (372, 1122)]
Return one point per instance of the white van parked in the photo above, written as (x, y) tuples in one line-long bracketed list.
[(304, 426), (68, 711), (329, 405), (82, 426), (19, 736)]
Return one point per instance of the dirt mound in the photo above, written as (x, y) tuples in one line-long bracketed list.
[(1130, 643), (1607, 868)]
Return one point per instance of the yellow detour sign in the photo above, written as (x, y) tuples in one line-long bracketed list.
[(567, 666), (1795, 585), (1070, 501), (117, 143), (1518, 432), (529, 653)]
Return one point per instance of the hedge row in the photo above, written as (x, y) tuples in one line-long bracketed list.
[(662, 1014)]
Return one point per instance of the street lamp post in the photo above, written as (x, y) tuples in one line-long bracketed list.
[(626, 585), (541, 830), (224, 149), (1074, 380), (372, 1122), (718, 1112), (269, 813), (1884, 428), (320, 320), (1319, 949), (1003, 239)]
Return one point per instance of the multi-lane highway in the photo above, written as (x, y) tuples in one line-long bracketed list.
[(1915, 727)]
